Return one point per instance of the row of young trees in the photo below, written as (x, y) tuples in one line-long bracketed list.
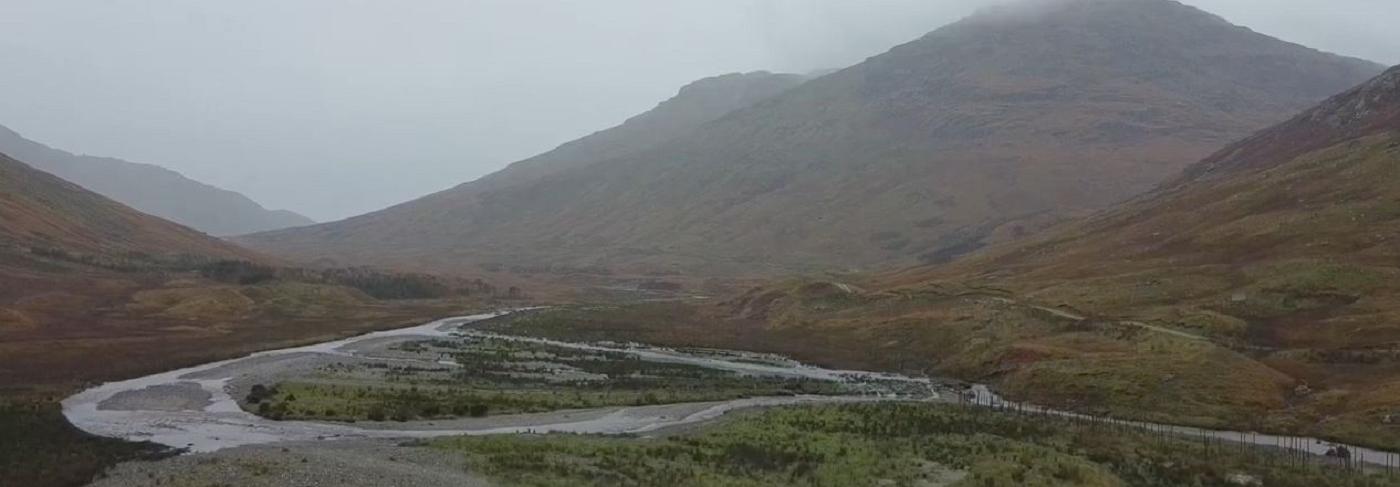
[(119, 261), (376, 283)]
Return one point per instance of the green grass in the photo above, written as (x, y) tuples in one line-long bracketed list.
[(1090, 366), (295, 400), (885, 444), (1314, 277), (500, 376)]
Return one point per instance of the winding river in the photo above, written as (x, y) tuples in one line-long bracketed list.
[(211, 419)]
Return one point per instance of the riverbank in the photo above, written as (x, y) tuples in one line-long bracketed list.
[(200, 414)]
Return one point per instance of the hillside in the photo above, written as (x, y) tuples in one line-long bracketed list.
[(1316, 190), (84, 276), (1258, 291), (92, 290), (39, 210), (1280, 247), (979, 132), (153, 189)]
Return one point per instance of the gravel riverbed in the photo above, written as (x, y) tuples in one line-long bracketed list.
[(348, 463)]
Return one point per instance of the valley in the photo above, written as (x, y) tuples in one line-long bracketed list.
[(1046, 243)]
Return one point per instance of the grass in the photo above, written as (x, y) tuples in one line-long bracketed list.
[(499, 376), (1123, 370), (295, 400), (885, 444), (1091, 366)]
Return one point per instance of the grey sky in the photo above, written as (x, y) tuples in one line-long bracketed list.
[(337, 107)]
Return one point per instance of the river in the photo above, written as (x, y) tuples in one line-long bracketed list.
[(215, 420)]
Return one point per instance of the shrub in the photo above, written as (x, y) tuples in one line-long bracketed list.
[(376, 414), (259, 392), (479, 410)]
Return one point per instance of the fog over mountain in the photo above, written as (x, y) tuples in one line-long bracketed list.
[(333, 108)]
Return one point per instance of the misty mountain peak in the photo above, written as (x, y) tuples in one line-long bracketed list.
[(1113, 53), (1151, 29), (1088, 10)]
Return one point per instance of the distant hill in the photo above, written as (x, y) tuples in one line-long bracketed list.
[(982, 131), (153, 189)]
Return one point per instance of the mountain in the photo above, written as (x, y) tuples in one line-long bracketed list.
[(40, 211), (153, 189), (979, 132)]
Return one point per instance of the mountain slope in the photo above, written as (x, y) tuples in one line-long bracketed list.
[(1282, 247), (1282, 240), (978, 132), (1259, 290), (1318, 186), (37, 209), (92, 289), (153, 189)]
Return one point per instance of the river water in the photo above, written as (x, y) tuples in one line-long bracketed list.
[(219, 422)]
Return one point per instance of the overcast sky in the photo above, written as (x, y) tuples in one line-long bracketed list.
[(336, 107)]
